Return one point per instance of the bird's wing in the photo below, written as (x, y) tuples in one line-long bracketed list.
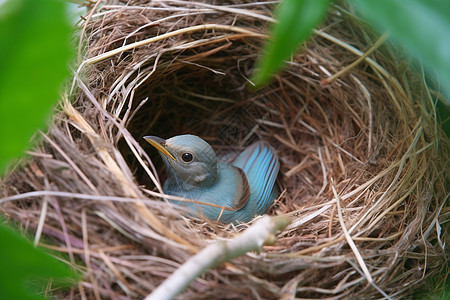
[(243, 185), (261, 165)]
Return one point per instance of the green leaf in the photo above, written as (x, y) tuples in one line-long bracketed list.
[(423, 26), (34, 51), (21, 263), (296, 21)]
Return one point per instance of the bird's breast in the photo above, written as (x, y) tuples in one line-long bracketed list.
[(230, 193)]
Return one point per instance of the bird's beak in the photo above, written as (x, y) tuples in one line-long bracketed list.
[(159, 144)]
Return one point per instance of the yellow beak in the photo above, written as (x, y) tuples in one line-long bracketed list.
[(159, 144)]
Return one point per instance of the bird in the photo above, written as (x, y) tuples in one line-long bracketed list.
[(227, 192)]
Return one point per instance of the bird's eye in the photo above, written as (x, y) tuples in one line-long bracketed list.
[(187, 157)]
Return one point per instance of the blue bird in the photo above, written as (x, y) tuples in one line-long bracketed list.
[(226, 192)]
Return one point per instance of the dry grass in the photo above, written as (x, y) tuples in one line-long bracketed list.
[(364, 168)]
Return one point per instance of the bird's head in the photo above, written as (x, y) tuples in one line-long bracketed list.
[(188, 157)]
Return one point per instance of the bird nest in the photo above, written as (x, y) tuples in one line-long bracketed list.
[(364, 171)]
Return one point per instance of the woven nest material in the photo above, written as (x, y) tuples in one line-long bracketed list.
[(172, 67)]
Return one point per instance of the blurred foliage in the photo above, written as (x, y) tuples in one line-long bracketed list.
[(25, 268), (296, 21), (422, 26), (34, 49)]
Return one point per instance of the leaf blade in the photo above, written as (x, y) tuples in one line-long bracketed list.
[(296, 21), (421, 26), (21, 262), (35, 39)]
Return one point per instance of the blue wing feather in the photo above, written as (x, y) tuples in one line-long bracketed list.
[(261, 165)]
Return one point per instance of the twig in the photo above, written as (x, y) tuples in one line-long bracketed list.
[(42, 217), (349, 239), (324, 175), (87, 254), (70, 162), (60, 215), (303, 220), (119, 50), (386, 296), (261, 233), (347, 69)]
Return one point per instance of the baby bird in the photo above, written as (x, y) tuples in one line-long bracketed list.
[(225, 192)]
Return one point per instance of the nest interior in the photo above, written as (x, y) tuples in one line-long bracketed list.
[(172, 67)]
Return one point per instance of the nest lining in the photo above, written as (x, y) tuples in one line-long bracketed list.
[(371, 135)]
